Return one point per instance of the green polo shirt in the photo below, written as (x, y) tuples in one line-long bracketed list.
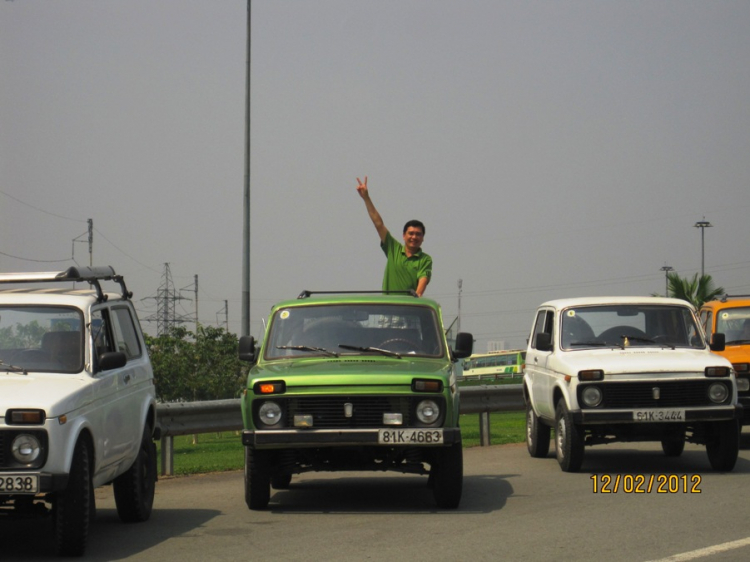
[(402, 273)]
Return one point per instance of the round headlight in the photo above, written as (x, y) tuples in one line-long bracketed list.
[(592, 396), (428, 411), (270, 413), (718, 392), (26, 448)]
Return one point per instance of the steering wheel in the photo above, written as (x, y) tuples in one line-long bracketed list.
[(613, 334), (408, 344)]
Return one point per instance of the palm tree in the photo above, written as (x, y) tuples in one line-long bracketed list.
[(696, 291)]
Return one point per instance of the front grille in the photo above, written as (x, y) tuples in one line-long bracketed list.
[(672, 394)]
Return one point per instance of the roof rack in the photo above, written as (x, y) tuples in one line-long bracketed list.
[(92, 275), (728, 296), (305, 294)]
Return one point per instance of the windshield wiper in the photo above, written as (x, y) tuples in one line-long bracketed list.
[(375, 349), (738, 342), (308, 348), (14, 368), (591, 343)]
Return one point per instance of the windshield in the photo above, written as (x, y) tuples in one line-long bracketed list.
[(734, 323), (630, 325), (333, 330), (41, 338)]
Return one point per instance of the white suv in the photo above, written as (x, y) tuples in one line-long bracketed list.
[(77, 401), (601, 370)]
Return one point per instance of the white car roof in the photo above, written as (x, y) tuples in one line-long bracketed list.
[(560, 304), (80, 298)]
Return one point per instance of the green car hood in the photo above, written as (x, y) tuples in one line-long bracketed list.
[(365, 371)]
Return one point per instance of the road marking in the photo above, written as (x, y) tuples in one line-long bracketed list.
[(708, 551)]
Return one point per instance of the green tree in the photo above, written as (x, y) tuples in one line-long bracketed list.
[(194, 367), (696, 291)]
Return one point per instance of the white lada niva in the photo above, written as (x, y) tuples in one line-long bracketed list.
[(77, 401), (600, 370)]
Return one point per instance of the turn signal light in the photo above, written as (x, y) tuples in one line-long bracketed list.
[(717, 371), (420, 385), (25, 417), (271, 387), (591, 375), (741, 368)]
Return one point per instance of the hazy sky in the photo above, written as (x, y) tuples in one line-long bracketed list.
[(552, 148)]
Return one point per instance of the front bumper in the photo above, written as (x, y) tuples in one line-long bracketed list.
[(308, 438), (47, 482), (692, 415)]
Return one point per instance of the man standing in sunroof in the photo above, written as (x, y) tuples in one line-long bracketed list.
[(407, 267)]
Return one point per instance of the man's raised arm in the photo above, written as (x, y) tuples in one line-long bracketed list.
[(375, 217)]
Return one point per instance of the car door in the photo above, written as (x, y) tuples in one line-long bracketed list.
[(120, 391), (536, 364)]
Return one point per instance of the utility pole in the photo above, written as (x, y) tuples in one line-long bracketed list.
[(245, 328), (196, 303), (458, 324), (91, 242), (703, 225), (90, 234), (666, 269)]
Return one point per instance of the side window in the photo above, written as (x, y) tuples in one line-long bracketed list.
[(706, 318), (125, 335), (543, 323), (101, 332)]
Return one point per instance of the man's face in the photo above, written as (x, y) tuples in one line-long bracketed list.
[(413, 238)]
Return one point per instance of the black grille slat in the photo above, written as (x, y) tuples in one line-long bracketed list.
[(672, 394), (328, 411)]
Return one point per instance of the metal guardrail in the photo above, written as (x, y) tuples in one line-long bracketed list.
[(189, 418)]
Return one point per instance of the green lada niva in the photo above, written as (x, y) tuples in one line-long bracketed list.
[(353, 382)]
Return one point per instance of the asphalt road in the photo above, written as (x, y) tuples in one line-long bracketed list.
[(513, 508)]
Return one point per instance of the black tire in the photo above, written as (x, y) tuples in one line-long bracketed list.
[(134, 489), (257, 479), (281, 481), (673, 443), (568, 439), (73, 506), (447, 475), (723, 445), (537, 434)]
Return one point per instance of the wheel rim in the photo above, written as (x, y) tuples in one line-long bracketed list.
[(529, 427), (560, 438)]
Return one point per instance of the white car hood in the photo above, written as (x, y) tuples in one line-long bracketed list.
[(637, 360), (56, 394)]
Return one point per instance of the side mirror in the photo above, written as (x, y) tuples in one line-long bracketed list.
[(543, 341), (718, 342), (112, 360), (464, 345), (247, 349)]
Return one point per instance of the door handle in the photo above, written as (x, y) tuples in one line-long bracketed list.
[(126, 379)]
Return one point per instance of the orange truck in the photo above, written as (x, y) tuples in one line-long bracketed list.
[(730, 316)]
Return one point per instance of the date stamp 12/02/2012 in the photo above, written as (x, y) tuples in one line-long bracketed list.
[(646, 483)]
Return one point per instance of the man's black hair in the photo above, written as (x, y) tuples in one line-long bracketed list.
[(415, 224)]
